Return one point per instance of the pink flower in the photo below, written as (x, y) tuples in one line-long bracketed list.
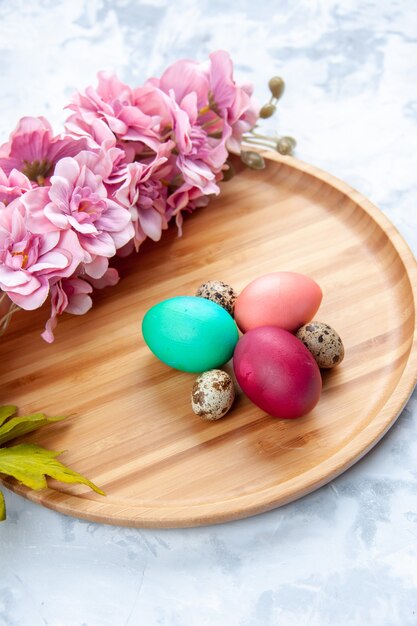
[(95, 133), (114, 103), (144, 193), (28, 261), (232, 103), (131, 160), (153, 101), (223, 106), (78, 201), (34, 151), (70, 295), (13, 185), (188, 198), (209, 113), (185, 77), (200, 157)]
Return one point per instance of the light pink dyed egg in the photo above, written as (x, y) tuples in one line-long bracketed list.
[(284, 299)]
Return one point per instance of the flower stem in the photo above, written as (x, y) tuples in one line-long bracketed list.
[(5, 320), (252, 133), (268, 143)]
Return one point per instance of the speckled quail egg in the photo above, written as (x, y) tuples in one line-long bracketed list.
[(218, 292), (212, 395), (323, 342)]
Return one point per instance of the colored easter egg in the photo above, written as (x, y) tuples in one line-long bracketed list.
[(277, 372), (284, 299), (189, 333)]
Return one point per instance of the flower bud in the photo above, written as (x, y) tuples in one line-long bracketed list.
[(267, 110), (286, 145), (252, 159), (276, 86)]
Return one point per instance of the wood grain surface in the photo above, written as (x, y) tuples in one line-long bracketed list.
[(130, 427)]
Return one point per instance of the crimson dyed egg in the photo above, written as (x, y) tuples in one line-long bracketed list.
[(277, 372), (285, 299)]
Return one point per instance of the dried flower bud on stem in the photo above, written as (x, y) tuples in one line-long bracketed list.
[(252, 159), (267, 110), (284, 145), (276, 86)]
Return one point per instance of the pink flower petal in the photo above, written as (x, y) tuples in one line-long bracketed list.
[(34, 299), (115, 218), (18, 179), (53, 260), (67, 170), (122, 237), (101, 245), (184, 77), (56, 217), (221, 79), (11, 278), (48, 242), (109, 279), (198, 174), (65, 147), (79, 304), (18, 223), (97, 267), (36, 202), (151, 223), (84, 228)]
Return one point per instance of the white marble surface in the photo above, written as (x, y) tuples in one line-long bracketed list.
[(345, 555)]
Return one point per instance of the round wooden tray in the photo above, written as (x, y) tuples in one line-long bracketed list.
[(131, 429)]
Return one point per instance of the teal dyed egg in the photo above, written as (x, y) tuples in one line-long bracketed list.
[(189, 333)]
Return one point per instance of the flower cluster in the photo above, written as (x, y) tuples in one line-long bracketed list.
[(129, 161)]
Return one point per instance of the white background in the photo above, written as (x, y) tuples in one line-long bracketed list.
[(345, 555)]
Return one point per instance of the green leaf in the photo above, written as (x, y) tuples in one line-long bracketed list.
[(2, 508), (30, 464), (7, 411), (17, 426)]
